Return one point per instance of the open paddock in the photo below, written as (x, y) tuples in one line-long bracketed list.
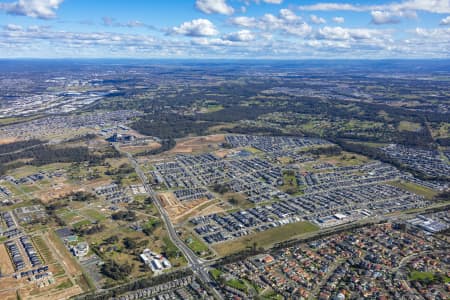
[(265, 238), (198, 144)]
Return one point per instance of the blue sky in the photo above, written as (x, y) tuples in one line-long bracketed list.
[(280, 29)]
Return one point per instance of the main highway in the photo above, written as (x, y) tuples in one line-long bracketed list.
[(195, 263)]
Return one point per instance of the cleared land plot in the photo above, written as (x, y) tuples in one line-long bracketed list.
[(197, 144), (265, 238), (181, 210), (6, 266), (62, 253), (345, 159), (8, 295), (57, 190), (43, 249)]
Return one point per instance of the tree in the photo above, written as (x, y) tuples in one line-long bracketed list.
[(115, 270), (129, 243)]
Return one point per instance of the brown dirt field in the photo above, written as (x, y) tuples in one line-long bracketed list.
[(190, 207), (136, 134), (8, 140), (212, 209), (222, 153), (57, 295), (194, 144), (57, 191), (176, 209), (168, 199), (141, 148), (8, 295), (96, 183), (203, 208), (7, 285), (5, 262)]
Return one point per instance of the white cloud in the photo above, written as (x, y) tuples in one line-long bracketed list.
[(240, 36), (445, 21), (288, 15), (380, 17), (244, 21), (108, 21), (133, 24), (354, 34), (441, 34), (338, 20), (273, 1), (286, 22), (211, 42), (214, 7), (36, 28), (317, 20), (12, 27), (433, 6), (332, 7), (197, 27), (326, 42), (43, 9)]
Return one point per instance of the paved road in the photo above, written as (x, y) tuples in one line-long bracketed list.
[(195, 263)]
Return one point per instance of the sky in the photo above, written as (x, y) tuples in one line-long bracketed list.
[(232, 29)]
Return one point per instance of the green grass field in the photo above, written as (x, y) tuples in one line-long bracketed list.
[(213, 108), (265, 238), (29, 188), (81, 223), (415, 188), (68, 217), (196, 245), (215, 273), (408, 126), (64, 285), (93, 214), (43, 250), (427, 277), (237, 284)]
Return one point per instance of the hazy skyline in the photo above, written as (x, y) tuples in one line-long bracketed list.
[(225, 29)]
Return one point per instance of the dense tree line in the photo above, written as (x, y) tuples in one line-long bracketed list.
[(236, 113), (443, 196), (329, 150), (82, 138), (116, 271), (19, 146), (221, 188), (89, 229), (169, 126), (125, 215), (123, 169), (445, 142), (43, 154), (254, 130)]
